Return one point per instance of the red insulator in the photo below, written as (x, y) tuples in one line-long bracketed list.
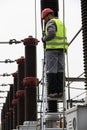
[(20, 60), (8, 113), (4, 120), (30, 81), (11, 109), (30, 41), (15, 74), (20, 93), (14, 102), (6, 116)]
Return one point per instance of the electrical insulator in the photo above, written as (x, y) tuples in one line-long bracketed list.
[(84, 32)]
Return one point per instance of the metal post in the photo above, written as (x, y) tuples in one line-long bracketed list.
[(30, 75), (14, 101), (20, 91)]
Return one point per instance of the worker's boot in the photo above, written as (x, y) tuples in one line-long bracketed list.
[(60, 83), (52, 84)]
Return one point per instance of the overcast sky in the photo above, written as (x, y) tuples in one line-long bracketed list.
[(18, 21)]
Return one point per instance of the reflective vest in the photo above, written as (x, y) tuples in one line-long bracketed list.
[(60, 40)]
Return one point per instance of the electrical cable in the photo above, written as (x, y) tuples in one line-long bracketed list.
[(7, 61), (5, 74)]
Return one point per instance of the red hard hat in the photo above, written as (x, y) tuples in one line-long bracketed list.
[(45, 12)]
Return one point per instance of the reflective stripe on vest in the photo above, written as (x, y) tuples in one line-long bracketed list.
[(60, 40)]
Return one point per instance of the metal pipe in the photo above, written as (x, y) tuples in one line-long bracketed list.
[(75, 36)]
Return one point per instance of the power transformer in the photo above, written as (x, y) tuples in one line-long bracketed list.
[(76, 118)]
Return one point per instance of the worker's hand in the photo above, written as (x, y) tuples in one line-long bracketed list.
[(42, 40), (44, 43), (43, 33)]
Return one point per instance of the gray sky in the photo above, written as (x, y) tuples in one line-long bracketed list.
[(17, 21)]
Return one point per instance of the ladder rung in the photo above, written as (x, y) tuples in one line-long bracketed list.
[(50, 113), (55, 129), (55, 99)]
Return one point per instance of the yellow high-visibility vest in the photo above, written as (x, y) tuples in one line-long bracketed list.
[(60, 40)]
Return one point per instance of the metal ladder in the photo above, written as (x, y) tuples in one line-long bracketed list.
[(45, 99)]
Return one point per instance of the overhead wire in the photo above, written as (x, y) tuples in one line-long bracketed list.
[(7, 61)]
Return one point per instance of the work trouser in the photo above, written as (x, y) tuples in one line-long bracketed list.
[(55, 83), (55, 71)]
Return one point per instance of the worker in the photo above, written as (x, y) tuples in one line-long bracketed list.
[(56, 45)]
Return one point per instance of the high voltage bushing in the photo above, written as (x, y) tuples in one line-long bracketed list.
[(3, 118), (14, 101), (7, 114), (15, 84), (30, 56), (53, 4), (30, 84), (31, 81), (30, 71), (84, 33), (21, 71), (20, 93), (20, 90), (11, 106)]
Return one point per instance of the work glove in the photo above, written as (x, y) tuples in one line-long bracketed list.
[(43, 39), (44, 43)]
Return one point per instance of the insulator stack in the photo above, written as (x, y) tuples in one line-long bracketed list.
[(3, 118), (53, 4), (7, 115), (84, 33), (30, 80), (20, 91), (11, 106), (14, 101)]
